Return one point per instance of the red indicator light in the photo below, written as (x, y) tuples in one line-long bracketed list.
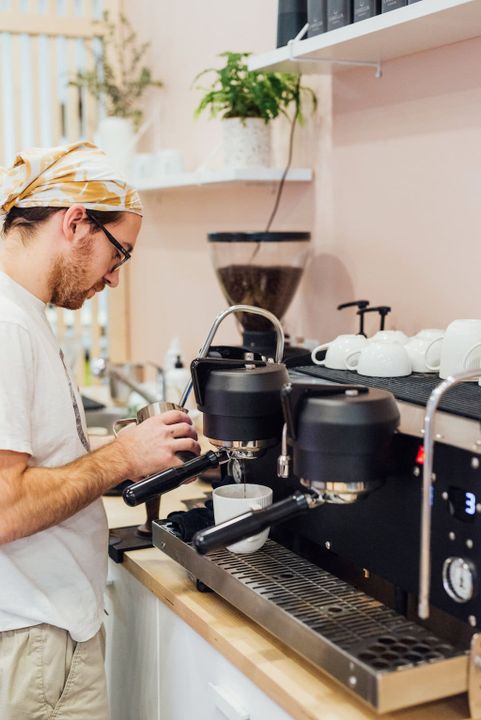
[(420, 456)]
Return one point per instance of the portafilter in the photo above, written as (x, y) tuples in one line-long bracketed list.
[(339, 437), (241, 404)]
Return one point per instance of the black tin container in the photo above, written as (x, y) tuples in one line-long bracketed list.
[(339, 13), (316, 17), (387, 5), (291, 18), (363, 9)]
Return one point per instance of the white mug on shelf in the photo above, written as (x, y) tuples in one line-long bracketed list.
[(168, 162), (337, 351), (458, 347), (233, 500), (382, 358)]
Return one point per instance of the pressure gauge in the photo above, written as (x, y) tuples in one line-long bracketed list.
[(459, 579)]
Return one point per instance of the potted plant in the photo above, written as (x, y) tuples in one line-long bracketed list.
[(247, 101), (118, 79)]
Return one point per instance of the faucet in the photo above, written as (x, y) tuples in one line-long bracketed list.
[(101, 367)]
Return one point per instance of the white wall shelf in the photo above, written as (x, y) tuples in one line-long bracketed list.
[(218, 177), (422, 26), (225, 176)]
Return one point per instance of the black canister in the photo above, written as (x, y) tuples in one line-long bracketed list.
[(338, 13), (291, 18), (316, 17)]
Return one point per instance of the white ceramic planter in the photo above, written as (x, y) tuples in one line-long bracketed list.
[(115, 135), (246, 144)]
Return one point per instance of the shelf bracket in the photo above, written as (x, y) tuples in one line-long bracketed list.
[(291, 44)]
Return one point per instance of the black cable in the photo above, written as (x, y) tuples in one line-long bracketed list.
[(286, 170)]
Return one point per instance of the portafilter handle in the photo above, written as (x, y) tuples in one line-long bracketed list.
[(250, 523), (233, 309), (162, 482)]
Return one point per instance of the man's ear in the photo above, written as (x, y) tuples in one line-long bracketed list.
[(73, 225)]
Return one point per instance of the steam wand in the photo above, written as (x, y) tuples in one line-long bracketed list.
[(425, 548)]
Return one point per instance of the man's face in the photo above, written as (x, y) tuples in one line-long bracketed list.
[(89, 267)]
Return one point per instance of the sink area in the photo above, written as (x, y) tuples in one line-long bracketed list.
[(105, 417)]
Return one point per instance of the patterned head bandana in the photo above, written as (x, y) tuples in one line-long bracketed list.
[(63, 176)]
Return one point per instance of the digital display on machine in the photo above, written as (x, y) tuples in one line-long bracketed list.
[(462, 504)]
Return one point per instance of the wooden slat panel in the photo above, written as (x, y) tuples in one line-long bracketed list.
[(69, 9), (17, 86), (50, 24), (90, 103), (54, 96), (119, 320), (36, 87), (73, 120), (3, 109), (95, 328)]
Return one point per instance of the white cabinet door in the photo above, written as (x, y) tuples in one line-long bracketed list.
[(158, 668), (198, 682), (132, 647)]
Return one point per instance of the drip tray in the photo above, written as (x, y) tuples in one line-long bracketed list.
[(386, 660)]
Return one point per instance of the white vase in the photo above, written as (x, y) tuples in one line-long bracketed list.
[(115, 135), (246, 143)]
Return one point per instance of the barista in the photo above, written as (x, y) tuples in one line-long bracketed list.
[(69, 224)]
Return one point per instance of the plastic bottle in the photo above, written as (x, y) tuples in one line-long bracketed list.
[(176, 375)]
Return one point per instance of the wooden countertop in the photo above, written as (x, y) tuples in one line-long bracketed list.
[(301, 690)]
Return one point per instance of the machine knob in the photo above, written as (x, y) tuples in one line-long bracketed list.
[(459, 579)]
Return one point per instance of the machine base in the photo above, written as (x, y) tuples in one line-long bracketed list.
[(379, 655)]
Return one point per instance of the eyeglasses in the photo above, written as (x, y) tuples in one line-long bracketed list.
[(125, 253)]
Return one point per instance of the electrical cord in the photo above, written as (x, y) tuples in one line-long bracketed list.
[(284, 174)]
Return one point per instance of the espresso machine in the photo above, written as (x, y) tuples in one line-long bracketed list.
[(350, 578)]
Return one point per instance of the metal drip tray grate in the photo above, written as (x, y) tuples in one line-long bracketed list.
[(387, 660)]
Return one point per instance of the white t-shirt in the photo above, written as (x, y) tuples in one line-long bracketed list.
[(55, 576)]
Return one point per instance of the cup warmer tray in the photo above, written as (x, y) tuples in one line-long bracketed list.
[(379, 655)]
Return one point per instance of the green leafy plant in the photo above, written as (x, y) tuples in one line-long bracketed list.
[(237, 92), (119, 76)]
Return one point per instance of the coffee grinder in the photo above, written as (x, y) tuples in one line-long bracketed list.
[(262, 269)]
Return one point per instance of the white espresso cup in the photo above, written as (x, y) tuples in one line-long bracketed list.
[(337, 351), (424, 350), (460, 349), (396, 335), (382, 358), (233, 500)]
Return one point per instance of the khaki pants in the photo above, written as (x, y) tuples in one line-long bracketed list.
[(45, 675)]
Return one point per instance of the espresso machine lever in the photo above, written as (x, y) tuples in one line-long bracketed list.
[(215, 325), (429, 437)]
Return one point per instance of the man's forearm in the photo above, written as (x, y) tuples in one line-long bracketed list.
[(43, 497)]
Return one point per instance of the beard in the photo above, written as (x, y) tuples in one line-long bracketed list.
[(68, 282)]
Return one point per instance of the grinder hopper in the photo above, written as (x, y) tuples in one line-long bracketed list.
[(263, 269)]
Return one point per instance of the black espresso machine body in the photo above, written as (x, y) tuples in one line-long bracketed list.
[(370, 535)]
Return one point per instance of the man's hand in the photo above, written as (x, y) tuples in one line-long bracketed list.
[(152, 445)]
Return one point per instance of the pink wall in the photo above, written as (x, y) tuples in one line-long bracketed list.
[(406, 185), (393, 210)]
